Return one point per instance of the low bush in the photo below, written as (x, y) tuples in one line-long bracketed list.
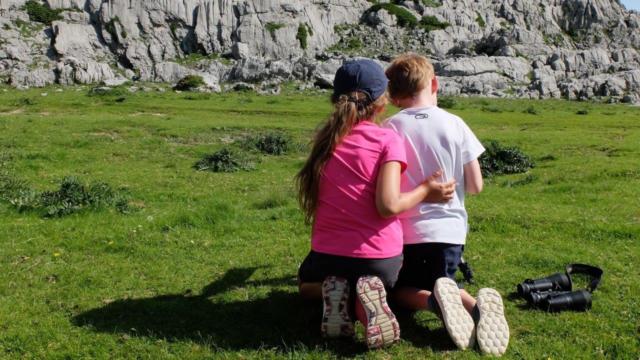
[(225, 160), (531, 110), (499, 160), (491, 109), (41, 13), (404, 17), (582, 112), (190, 83), (302, 35), (272, 143)]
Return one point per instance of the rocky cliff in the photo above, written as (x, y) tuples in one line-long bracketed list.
[(577, 49)]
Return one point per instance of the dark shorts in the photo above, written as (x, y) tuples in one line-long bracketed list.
[(426, 263), (317, 266)]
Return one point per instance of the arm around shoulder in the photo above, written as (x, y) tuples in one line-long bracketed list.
[(473, 182)]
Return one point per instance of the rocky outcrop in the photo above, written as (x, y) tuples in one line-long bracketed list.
[(575, 49)]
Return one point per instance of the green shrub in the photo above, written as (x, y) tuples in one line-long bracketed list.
[(499, 159), (531, 110), (404, 17), (446, 102), (189, 83), (303, 33), (431, 3), (271, 27), (273, 143), (41, 13), (582, 112), (225, 160), (431, 23)]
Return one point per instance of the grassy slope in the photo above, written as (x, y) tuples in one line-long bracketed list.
[(207, 267)]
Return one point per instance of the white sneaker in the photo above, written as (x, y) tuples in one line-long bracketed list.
[(457, 320), (382, 327), (492, 328)]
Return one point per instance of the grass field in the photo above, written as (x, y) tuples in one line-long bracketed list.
[(204, 265)]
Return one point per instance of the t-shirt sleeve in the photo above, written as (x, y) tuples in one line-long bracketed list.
[(471, 147), (394, 150)]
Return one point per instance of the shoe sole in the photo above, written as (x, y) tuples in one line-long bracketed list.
[(336, 321), (492, 329), (382, 327), (457, 320)]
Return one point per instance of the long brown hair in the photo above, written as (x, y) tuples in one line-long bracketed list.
[(349, 110)]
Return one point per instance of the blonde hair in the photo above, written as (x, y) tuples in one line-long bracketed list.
[(409, 74), (349, 110)]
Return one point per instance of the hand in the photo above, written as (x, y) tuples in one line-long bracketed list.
[(438, 192)]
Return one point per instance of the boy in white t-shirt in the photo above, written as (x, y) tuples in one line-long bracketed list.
[(435, 234)]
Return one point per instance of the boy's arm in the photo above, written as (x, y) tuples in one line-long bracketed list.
[(473, 182), (390, 201)]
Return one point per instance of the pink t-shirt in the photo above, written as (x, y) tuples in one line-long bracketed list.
[(347, 222)]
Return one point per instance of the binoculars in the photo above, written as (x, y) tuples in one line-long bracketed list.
[(554, 293)]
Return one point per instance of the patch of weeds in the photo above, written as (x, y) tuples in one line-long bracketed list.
[(447, 102), (225, 160), (302, 35), (190, 83), (24, 102), (272, 143), (531, 110), (491, 109), (72, 196), (272, 27), (520, 182), (582, 112), (404, 17), (431, 23), (548, 157), (194, 58), (499, 160), (41, 13), (273, 201)]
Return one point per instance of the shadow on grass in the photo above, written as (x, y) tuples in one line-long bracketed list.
[(281, 320), (424, 335)]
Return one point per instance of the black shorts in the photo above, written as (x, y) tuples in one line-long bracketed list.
[(426, 263), (317, 266)]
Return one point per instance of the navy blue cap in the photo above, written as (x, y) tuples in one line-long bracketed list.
[(360, 75)]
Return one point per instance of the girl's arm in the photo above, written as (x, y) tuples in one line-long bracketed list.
[(390, 201), (473, 183)]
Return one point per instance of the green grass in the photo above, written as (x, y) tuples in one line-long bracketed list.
[(205, 268)]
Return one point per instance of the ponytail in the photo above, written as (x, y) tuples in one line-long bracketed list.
[(349, 110)]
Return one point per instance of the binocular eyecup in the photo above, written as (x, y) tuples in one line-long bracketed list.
[(555, 282)]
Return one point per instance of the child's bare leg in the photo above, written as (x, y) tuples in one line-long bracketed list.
[(310, 291), (468, 301), (413, 298)]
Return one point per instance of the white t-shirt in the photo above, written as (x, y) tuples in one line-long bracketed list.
[(435, 140)]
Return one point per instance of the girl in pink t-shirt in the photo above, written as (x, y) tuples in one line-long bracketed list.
[(349, 189)]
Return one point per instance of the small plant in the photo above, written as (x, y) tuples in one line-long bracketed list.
[(273, 143), (24, 102), (447, 102), (303, 33), (531, 110), (582, 112), (272, 27), (225, 160), (499, 160), (190, 83), (431, 3), (41, 13), (431, 23)]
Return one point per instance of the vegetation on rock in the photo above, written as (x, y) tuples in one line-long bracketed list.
[(41, 13), (190, 83)]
